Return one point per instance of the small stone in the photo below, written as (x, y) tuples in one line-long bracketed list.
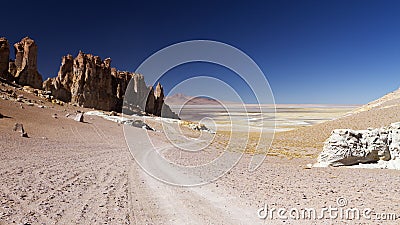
[(308, 166), (19, 127), (138, 124), (79, 117)]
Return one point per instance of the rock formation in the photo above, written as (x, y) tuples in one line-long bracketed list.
[(4, 57), (24, 69), (90, 82), (349, 147), (159, 99), (85, 80), (132, 87)]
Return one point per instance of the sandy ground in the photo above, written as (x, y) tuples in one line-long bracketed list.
[(68, 172)]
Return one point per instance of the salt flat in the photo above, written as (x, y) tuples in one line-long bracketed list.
[(256, 117)]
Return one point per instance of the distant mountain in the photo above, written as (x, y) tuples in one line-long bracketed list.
[(180, 99)]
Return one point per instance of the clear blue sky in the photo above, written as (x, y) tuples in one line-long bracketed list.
[(311, 51)]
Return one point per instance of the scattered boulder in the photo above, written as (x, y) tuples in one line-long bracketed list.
[(349, 147), (79, 117), (112, 113), (196, 126), (137, 123), (1, 116), (19, 127)]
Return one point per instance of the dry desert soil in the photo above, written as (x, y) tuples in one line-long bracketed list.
[(67, 172)]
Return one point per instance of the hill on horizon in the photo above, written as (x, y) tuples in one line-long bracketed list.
[(180, 99)]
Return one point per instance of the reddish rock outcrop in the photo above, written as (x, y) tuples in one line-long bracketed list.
[(139, 91), (90, 82), (24, 69), (4, 58), (4, 55)]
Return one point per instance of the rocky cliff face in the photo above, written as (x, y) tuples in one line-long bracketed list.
[(86, 80), (4, 57), (91, 82), (138, 93), (24, 69)]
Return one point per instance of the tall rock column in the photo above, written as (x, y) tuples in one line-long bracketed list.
[(159, 99), (26, 63), (4, 58)]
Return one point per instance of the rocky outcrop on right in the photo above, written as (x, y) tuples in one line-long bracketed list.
[(347, 147)]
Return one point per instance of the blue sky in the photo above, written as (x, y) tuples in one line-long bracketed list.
[(339, 52)]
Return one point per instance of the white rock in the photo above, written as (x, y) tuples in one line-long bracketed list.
[(349, 147), (79, 117)]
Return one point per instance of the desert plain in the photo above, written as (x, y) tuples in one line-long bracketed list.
[(69, 172)]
